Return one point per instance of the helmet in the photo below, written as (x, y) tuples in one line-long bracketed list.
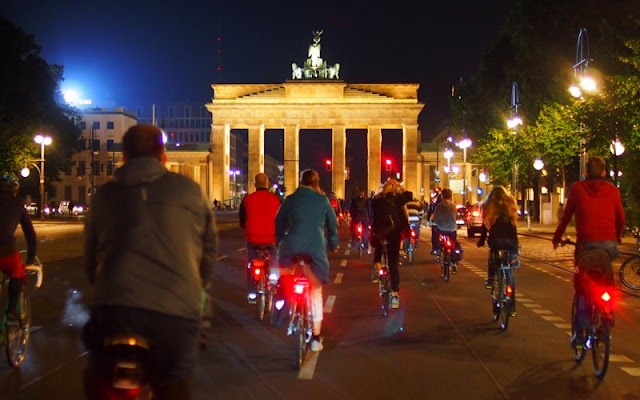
[(8, 184)]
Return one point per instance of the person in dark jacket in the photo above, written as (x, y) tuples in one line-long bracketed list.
[(389, 222), (359, 211), (150, 249), (599, 218), (301, 223), (14, 213), (258, 219)]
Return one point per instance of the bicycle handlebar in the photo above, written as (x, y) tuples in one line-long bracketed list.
[(39, 273)]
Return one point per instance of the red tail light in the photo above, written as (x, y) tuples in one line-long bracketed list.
[(475, 213), (606, 297), (509, 290), (299, 289), (413, 234), (256, 273), (258, 263), (381, 272), (447, 242), (340, 215), (359, 228)]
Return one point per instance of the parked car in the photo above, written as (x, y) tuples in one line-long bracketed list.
[(461, 213), (474, 220), (63, 208), (32, 208), (70, 208)]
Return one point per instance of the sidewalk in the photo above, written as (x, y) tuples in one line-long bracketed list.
[(547, 231)]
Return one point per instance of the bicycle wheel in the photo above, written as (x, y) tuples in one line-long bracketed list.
[(630, 273), (385, 291), (579, 351), (505, 303), (446, 270), (410, 256), (18, 334), (601, 345), (298, 335)]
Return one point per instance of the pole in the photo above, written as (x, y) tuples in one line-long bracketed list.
[(42, 197), (92, 136), (464, 177)]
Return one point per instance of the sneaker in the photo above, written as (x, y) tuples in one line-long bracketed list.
[(316, 345), (488, 284), (403, 254), (438, 258), (433, 252), (514, 313), (578, 340), (369, 249), (395, 301), (251, 298), (349, 245)]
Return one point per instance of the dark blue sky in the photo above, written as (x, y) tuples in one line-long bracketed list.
[(143, 52)]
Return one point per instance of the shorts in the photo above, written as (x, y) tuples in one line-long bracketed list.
[(12, 265)]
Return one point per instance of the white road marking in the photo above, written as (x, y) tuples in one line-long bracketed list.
[(309, 366), (532, 305), (631, 371), (338, 277), (563, 326), (619, 358), (541, 312), (343, 263), (552, 318), (569, 333), (328, 306), (566, 280), (347, 252), (524, 300)]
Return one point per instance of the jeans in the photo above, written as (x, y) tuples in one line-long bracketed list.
[(393, 252), (173, 352)]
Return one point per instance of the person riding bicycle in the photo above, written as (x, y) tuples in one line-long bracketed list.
[(14, 213), (301, 222), (150, 249), (500, 212), (258, 219), (389, 222), (415, 213), (599, 219), (444, 217), (359, 211), (434, 227)]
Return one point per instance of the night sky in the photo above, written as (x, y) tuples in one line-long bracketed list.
[(124, 53)]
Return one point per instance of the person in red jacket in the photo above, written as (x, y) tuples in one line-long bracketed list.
[(258, 219), (599, 221)]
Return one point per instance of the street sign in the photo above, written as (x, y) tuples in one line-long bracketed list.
[(436, 179), (437, 171)]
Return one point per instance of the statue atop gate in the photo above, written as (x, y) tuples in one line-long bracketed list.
[(315, 67)]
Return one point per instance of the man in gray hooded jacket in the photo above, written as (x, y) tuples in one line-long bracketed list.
[(149, 254)]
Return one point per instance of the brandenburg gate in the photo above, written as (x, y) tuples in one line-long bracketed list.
[(315, 98)]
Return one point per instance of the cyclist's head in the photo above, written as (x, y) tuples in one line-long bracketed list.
[(143, 141), (447, 194), (499, 201), (261, 181), (310, 178), (9, 185), (391, 186), (596, 168)]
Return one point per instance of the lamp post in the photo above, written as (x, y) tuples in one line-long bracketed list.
[(448, 153), (586, 83), (234, 173), (513, 123), (464, 144), (42, 141), (617, 149), (538, 164)]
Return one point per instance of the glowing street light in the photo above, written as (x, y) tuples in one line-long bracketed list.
[(234, 173), (42, 141), (538, 164)]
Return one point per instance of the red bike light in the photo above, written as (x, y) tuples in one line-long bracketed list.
[(258, 263), (359, 228), (381, 271), (413, 234), (298, 289), (257, 271), (475, 213), (509, 290), (606, 296)]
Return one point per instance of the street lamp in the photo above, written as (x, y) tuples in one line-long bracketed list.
[(617, 149), (234, 173), (538, 164), (464, 144), (42, 141), (513, 123)]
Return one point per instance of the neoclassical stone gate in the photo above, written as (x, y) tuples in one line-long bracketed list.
[(314, 104)]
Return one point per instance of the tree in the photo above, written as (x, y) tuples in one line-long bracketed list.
[(31, 103)]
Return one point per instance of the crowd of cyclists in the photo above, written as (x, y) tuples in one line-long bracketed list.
[(305, 223)]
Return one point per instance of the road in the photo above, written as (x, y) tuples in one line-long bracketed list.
[(440, 344)]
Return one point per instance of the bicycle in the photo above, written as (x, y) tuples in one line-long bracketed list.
[(593, 281), (503, 292), (300, 321), (16, 333), (447, 262), (410, 245), (262, 286), (630, 269), (384, 283)]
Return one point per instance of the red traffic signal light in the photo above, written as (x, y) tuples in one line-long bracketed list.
[(387, 164), (327, 165)]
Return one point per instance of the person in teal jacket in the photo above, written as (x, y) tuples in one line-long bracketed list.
[(301, 223)]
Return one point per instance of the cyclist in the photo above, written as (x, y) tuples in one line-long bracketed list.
[(300, 230), (500, 212), (389, 222), (434, 228), (150, 248), (599, 219), (359, 211), (257, 217), (14, 213), (444, 217)]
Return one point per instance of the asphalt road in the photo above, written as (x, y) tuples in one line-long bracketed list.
[(440, 344)]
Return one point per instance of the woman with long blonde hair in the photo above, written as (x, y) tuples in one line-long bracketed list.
[(500, 212)]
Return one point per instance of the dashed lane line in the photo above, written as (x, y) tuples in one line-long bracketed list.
[(541, 312), (563, 326), (309, 366), (619, 358), (347, 252), (328, 306), (343, 263), (552, 318), (631, 371), (530, 305), (339, 276)]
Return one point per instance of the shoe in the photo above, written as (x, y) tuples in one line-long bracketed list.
[(578, 340), (488, 284), (514, 313), (403, 254), (433, 252), (369, 249), (316, 345), (395, 301), (454, 268), (251, 298), (438, 258), (349, 245)]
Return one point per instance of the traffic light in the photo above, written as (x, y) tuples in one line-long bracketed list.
[(387, 164), (327, 165)]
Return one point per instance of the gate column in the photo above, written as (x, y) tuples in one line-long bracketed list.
[(291, 157), (374, 160), (410, 158), (220, 161), (256, 154), (338, 164)]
